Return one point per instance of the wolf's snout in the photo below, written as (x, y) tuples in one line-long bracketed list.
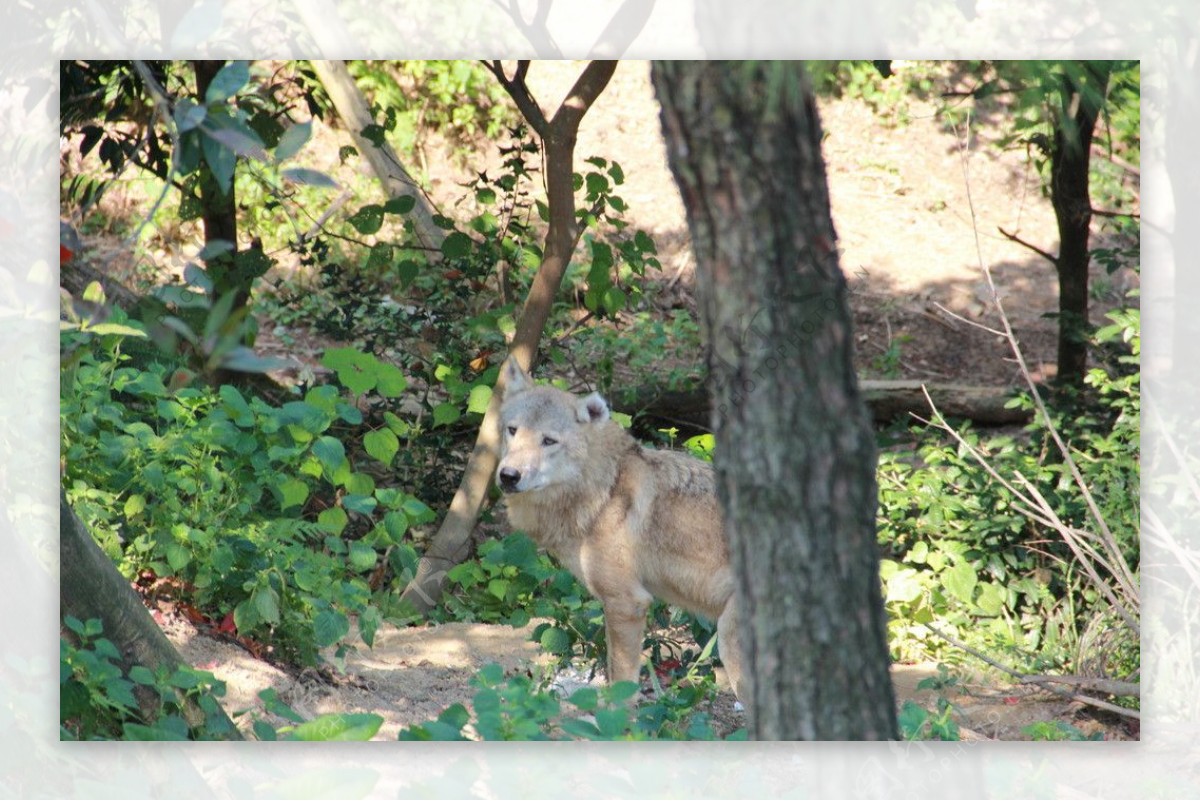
[(509, 478)]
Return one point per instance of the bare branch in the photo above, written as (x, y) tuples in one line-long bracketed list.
[(1039, 680), (1014, 238), (518, 90)]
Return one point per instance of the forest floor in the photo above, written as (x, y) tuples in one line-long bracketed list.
[(914, 216)]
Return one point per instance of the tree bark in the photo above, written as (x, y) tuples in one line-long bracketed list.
[(795, 450), (91, 587), (1074, 123), (352, 108), (219, 212), (558, 136)]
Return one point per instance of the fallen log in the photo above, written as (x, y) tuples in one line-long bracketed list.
[(888, 400)]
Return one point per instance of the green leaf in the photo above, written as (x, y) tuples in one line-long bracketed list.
[(597, 184), (960, 581), (389, 380), (480, 397), (104, 329), (618, 175), (400, 205), (235, 406), (266, 604), (368, 219), (362, 504), (498, 587), (396, 525), (585, 698), (292, 492), (445, 413), (220, 159), (134, 505), (356, 370), (178, 556), (189, 114), (139, 674), (456, 245), (381, 445), (308, 177), (292, 140), (330, 626), (356, 727), (362, 556), (556, 641), (331, 453), (226, 83), (333, 519), (612, 722)]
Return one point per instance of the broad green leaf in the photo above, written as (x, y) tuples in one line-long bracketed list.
[(381, 445), (400, 205), (356, 370), (228, 80), (363, 504), (362, 556), (556, 641), (333, 519), (389, 380), (368, 219), (960, 581), (329, 627), (342, 727), (331, 453), (189, 114), (445, 413), (266, 603), (292, 493), (480, 397), (134, 505), (456, 245), (292, 140)]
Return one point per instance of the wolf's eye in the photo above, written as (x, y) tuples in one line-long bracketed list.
[(548, 441), (512, 430)]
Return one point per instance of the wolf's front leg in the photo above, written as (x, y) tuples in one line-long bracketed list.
[(624, 627)]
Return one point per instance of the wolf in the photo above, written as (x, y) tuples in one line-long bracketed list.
[(631, 523)]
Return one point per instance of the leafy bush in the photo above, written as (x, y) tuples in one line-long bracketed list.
[(960, 551), (261, 513), (514, 708), (97, 698)]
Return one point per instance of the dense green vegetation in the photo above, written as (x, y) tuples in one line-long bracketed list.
[(293, 517)]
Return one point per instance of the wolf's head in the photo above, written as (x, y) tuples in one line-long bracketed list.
[(545, 434)]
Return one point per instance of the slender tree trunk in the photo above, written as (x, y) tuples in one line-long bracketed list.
[(1074, 124), (356, 114), (219, 211), (558, 135), (795, 450)]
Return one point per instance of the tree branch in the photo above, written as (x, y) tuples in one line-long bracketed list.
[(518, 90), (1014, 238), (1041, 681), (583, 94)]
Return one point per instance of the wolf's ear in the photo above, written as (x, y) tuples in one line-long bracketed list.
[(515, 379), (592, 409)]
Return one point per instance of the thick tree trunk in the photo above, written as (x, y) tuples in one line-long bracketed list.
[(90, 587), (795, 450), (558, 135), (1074, 125)]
